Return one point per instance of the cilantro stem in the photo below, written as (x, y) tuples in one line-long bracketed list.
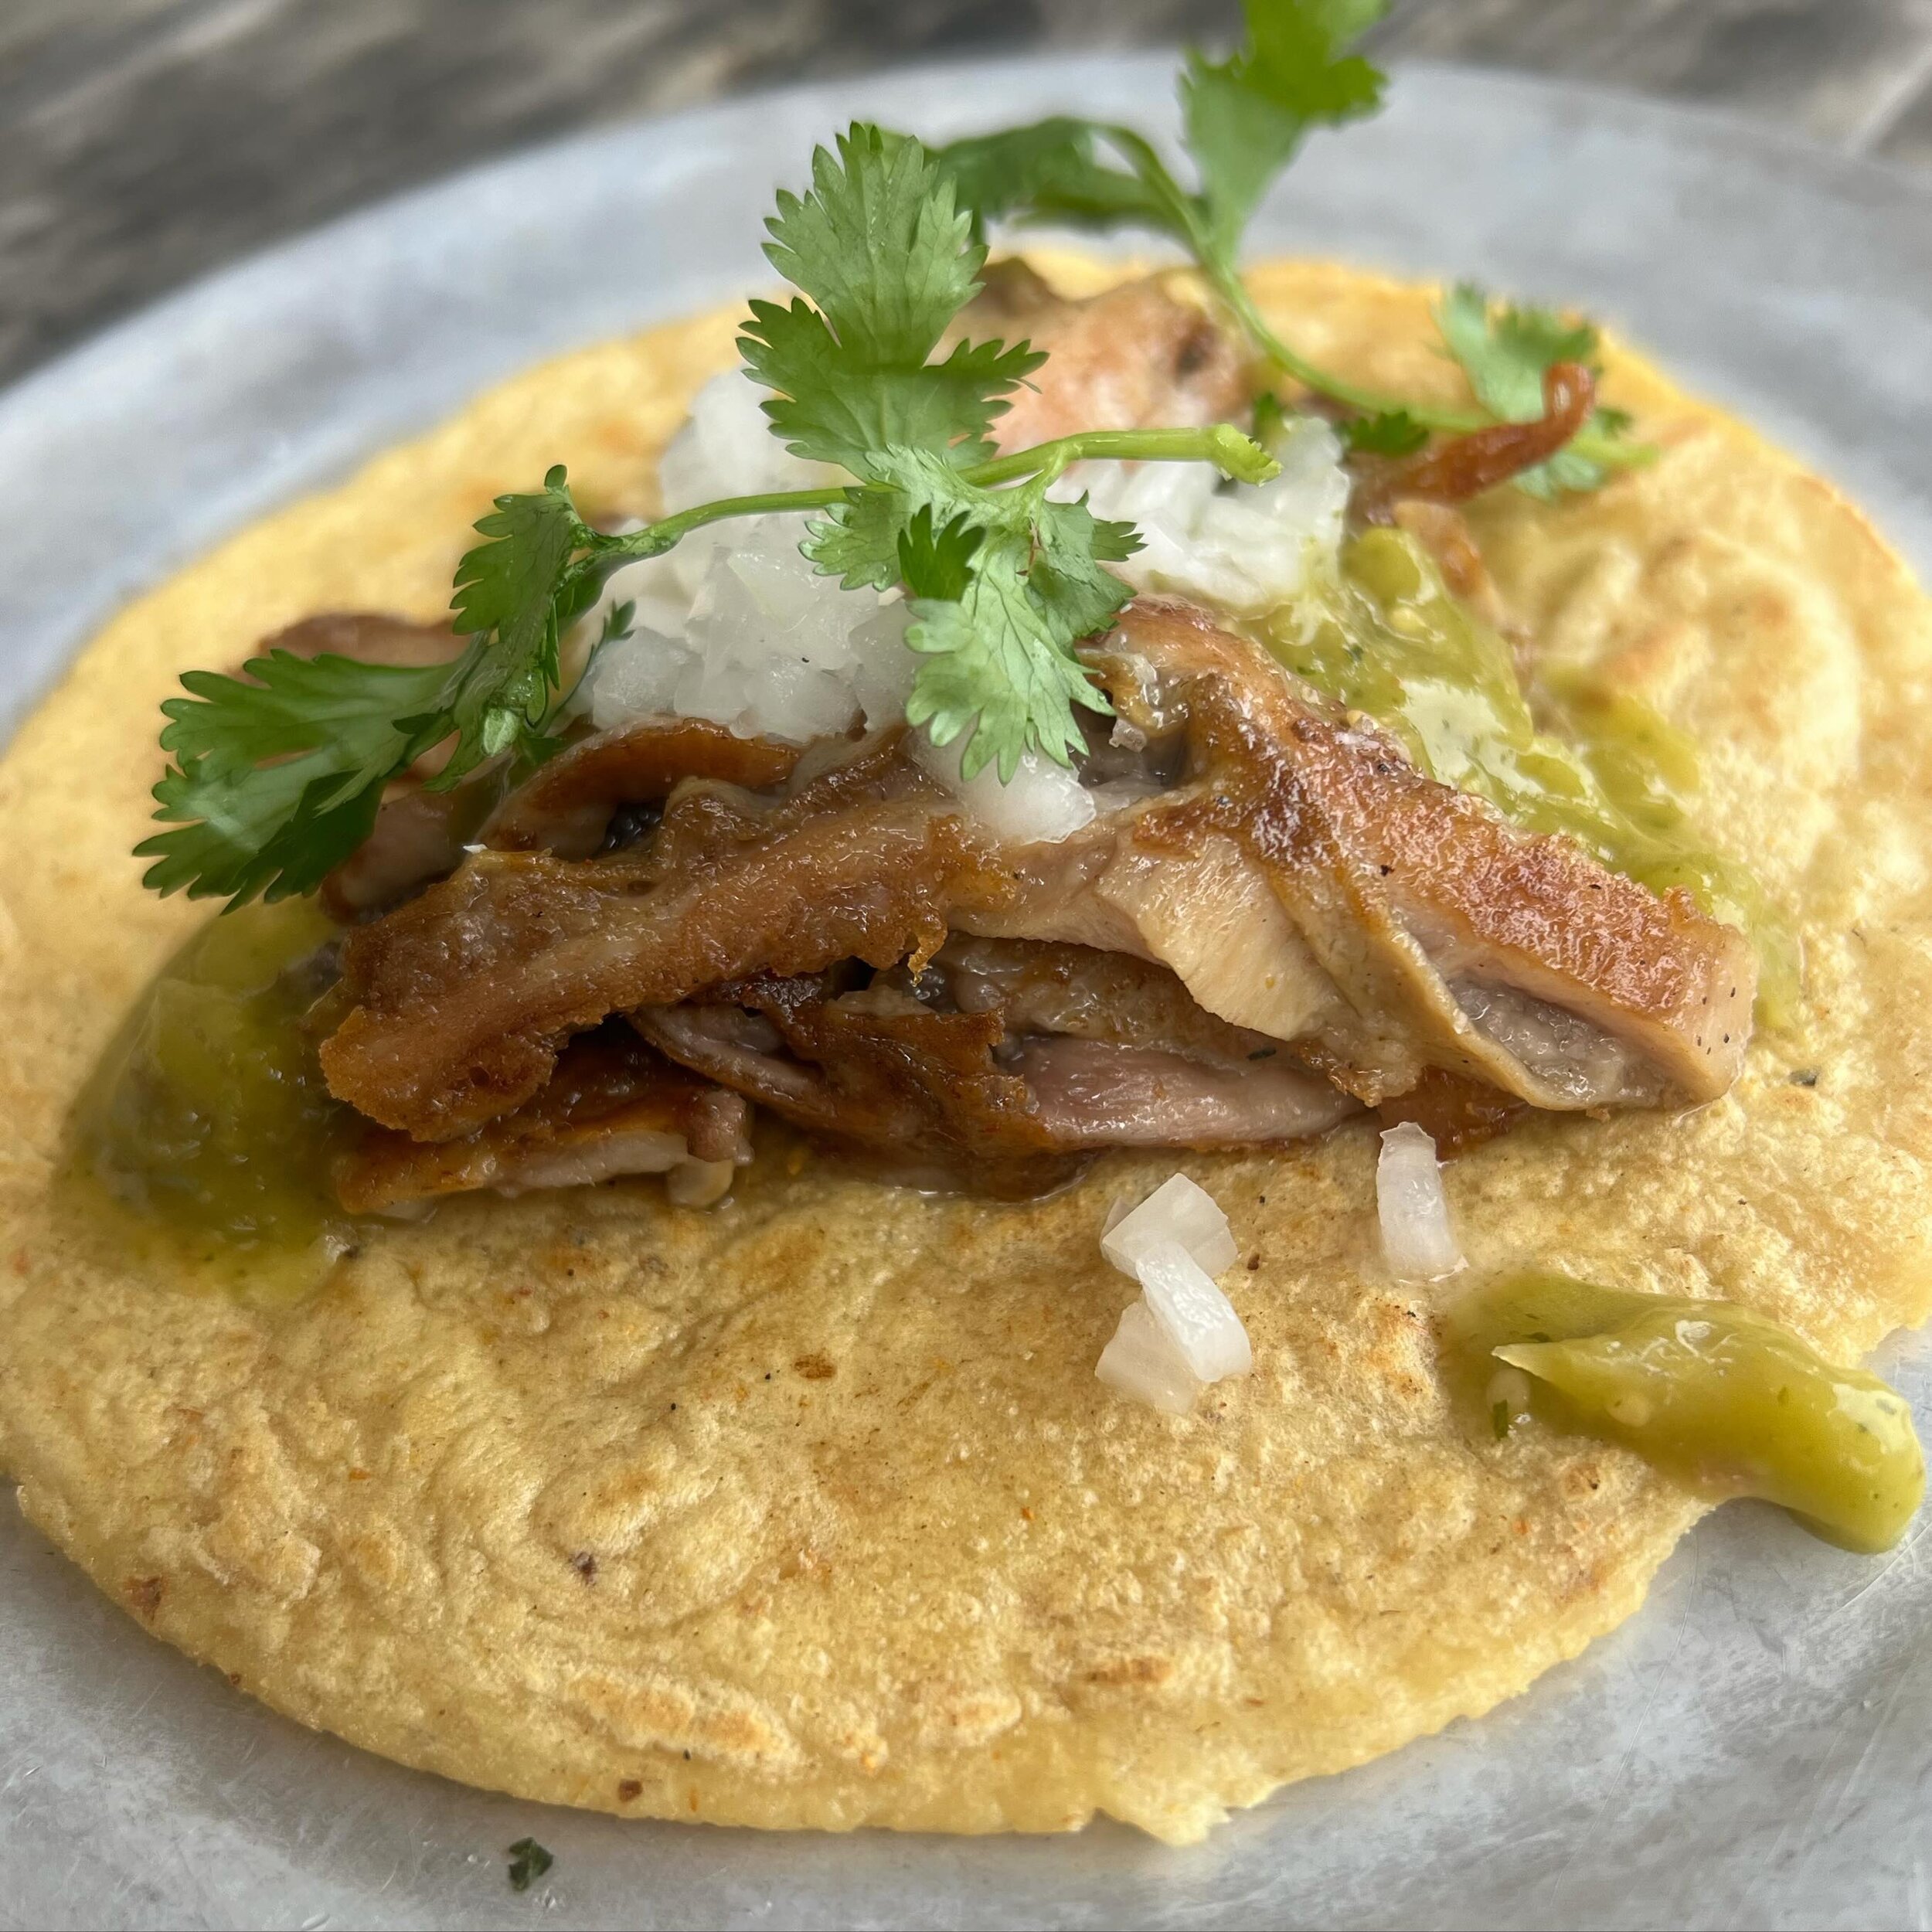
[(1612, 452), (1186, 219), (1231, 452), (654, 538), (1226, 447), (1233, 291)]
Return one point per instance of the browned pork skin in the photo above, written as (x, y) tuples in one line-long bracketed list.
[(572, 807), (612, 1107), (466, 994), (569, 806), (1306, 881)]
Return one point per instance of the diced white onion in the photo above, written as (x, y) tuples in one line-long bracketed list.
[(1177, 1210), (1143, 1361), (1197, 1318), (1183, 1333), (760, 641), (1417, 1241), (1041, 803), (1243, 548), (735, 624)]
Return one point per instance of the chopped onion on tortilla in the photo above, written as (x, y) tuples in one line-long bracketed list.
[(1417, 1241), (1183, 1333), (1143, 1360), (1196, 1316), (1177, 1210)]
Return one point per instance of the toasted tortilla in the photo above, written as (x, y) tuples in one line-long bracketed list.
[(810, 1511)]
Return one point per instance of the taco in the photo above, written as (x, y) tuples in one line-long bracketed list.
[(1113, 1075)]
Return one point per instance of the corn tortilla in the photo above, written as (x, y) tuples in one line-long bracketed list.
[(810, 1512)]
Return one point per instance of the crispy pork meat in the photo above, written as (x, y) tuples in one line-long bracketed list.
[(603, 790), (1272, 893), (1129, 358), (1273, 921), (571, 805), (1305, 880), (997, 1061), (465, 995), (612, 1107)]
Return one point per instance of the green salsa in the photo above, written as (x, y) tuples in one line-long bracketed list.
[(208, 1120), (1387, 640), (1720, 1399)]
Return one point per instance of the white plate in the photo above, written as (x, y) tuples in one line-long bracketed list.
[(1754, 1749)]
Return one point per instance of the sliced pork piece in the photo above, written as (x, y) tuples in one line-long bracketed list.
[(605, 789), (465, 995), (873, 1071), (1305, 880), (568, 807), (1093, 1095), (418, 836), (1301, 879), (612, 1107), (997, 1061), (1132, 357)]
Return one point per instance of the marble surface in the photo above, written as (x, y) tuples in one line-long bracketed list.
[(143, 142)]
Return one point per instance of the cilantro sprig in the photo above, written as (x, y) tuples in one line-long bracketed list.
[(888, 259), (1504, 350), (1003, 582), (275, 777), (1243, 120)]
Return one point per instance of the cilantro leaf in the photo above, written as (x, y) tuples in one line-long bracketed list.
[(517, 592), (275, 777), (529, 1861), (880, 245), (1245, 116), (1388, 433), (938, 559), (997, 670), (1049, 171), (1002, 584), (1504, 350), (1070, 544), (1568, 472)]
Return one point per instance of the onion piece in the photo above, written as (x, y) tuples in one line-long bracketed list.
[(1197, 1317), (1417, 1241), (1042, 803), (1143, 1360), (1183, 1333), (1177, 1210)]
